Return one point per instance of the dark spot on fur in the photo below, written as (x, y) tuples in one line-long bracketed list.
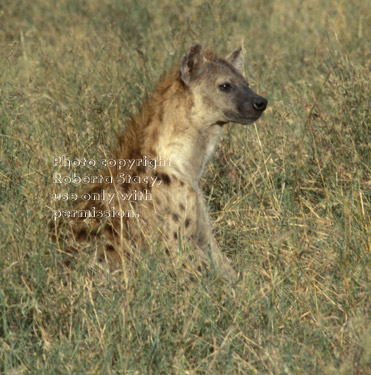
[(141, 168), (82, 235), (108, 252), (175, 235), (110, 248), (201, 240), (181, 183), (164, 177), (110, 230), (187, 222), (134, 153), (158, 202), (182, 207), (95, 189), (175, 217)]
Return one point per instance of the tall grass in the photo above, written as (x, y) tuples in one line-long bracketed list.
[(290, 196)]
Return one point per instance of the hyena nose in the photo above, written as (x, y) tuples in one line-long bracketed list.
[(260, 104)]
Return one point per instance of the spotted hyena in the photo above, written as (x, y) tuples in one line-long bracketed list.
[(177, 128)]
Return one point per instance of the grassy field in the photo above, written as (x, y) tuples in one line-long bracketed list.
[(290, 195)]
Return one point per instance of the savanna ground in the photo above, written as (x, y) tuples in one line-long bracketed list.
[(290, 196)]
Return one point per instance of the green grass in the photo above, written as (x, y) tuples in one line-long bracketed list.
[(290, 196)]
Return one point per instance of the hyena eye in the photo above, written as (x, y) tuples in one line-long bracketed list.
[(226, 87)]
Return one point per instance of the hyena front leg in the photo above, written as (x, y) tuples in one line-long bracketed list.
[(210, 248), (221, 262)]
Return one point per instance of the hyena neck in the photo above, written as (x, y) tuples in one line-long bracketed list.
[(167, 127)]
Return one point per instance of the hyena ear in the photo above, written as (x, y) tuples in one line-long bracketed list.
[(236, 59), (191, 62)]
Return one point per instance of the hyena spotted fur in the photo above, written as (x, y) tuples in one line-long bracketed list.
[(181, 122)]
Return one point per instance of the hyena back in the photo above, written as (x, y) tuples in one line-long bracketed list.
[(180, 122)]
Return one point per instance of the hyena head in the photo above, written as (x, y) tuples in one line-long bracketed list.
[(219, 90)]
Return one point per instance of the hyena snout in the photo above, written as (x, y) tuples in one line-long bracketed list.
[(250, 106), (260, 103)]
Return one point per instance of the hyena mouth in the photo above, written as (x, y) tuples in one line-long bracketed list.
[(244, 120)]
